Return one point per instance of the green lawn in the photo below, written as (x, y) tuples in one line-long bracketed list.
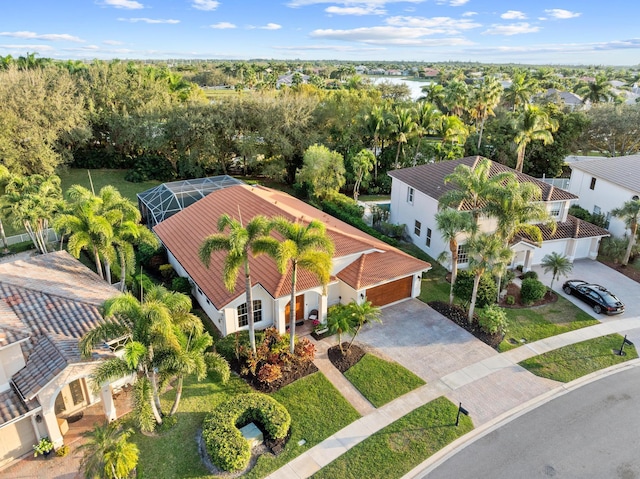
[(577, 360), (317, 411), (396, 449), (381, 381), (103, 177), (541, 322), (374, 198)]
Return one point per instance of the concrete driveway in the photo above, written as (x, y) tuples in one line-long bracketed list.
[(595, 272)]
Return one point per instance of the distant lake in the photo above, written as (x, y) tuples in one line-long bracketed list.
[(414, 85)]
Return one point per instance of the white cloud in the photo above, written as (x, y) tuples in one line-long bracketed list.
[(113, 42), (513, 15), (513, 29), (127, 4), (28, 48), (446, 25), (351, 3), (148, 20), (469, 14), (223, 26), (333, 48), (364, 10), (390, 35), (452, 3), (271, 26), (560, 14), (207, 5), (53, 37)]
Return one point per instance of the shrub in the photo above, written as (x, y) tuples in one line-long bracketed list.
[(530, 274), (167, 423), (510, 300), (532, 290), (463, 288), (508, 278), (217, 367), (224, 442), (166, 271), (493, 319), (181, 285), (62, 451)]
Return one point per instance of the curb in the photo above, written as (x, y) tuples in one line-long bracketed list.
[(423, 469)]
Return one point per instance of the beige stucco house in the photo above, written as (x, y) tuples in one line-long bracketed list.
[(47, 303)]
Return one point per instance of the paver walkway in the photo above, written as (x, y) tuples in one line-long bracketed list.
[(468, 379)]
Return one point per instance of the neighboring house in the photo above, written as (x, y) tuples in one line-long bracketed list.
[(415, 193), (288, 79), (363, 267), (604, 184), (569, 99), (47, 303)]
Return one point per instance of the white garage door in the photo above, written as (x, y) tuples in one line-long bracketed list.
[(16, 440)]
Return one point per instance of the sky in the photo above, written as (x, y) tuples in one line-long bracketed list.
[(557, 32)]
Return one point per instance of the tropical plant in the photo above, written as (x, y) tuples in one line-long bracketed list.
[(361, 314), (151, 326), (456, 97), (629, 212), (532, 290), (451, 223), (305, 246), (323, 170), (44, 446), (484, 100), (362, 165), (486, 252), (238, 244), (492, 319), (598, 91), (340, 322), (558, 264), (107, 453), (533, 124), (402, 125), (521, 90), (427, 119)]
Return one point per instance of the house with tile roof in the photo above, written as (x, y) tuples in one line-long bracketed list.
[(416, 191), (47, 303), (363, 267), (604, 184)]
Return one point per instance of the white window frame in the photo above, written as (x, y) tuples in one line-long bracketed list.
[(428, 238), (463, 254), (243, 313), (410, 195), (417, 228)]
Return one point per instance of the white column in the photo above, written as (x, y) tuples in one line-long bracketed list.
[(527, 261), (322, 308), (51, 421), (571, 249), (107, 403)]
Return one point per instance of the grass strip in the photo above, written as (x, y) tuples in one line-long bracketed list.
[(396, 449), (576, 360), (381, 381)]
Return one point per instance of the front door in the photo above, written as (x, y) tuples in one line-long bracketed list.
[(71, 398), (299, 309)]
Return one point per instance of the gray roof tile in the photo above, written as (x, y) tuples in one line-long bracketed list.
[(621, 170), (12, 407)]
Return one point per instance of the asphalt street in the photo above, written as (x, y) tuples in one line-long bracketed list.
[(591, 432)]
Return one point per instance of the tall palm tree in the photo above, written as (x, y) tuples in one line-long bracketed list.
[(402, 125), (473, 184), (451, 223), (150, 326), (456, 97), (533, 124), (305, 246), (598, 91), (630, 214), (427, 118), (239, 243), (558, 264), (521, 90), (107, 454), (483, 101), (486, 254)]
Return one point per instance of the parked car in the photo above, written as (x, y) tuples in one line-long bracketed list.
[(600, 298)]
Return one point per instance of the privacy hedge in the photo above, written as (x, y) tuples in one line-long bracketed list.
[(224, 442)]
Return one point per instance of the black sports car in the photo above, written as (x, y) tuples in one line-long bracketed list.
[(600, 298)]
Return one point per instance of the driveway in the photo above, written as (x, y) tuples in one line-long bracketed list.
[(595, 272)]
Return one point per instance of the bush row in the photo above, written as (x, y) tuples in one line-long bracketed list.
[(228, 449)]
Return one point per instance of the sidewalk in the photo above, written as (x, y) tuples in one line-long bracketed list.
[(450, 385)]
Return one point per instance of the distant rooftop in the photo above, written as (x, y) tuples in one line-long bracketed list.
[(165, 200), (620, 170)]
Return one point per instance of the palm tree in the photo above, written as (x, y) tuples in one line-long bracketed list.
[(520, 91), (630, 214), (452, 223), (360, 314), (302, 246), (453, 133), (473, 183), (427, 118), (486, 254), (340, 323), (533, 124), (456, 97), (559, 264), (150, 326), (402, 125), (238, 244), (484, 100), (107, 454), (597, 91)]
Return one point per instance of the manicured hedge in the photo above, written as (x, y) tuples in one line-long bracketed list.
[(532, 290), (224, 442)]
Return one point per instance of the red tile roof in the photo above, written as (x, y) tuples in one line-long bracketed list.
[(375, 268), (429, 179), (183, 233), (572, 228)]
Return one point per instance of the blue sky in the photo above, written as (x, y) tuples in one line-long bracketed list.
[(550, 32)]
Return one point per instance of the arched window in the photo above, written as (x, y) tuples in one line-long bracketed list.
[(243, 316)]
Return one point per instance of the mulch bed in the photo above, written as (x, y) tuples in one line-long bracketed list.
[(514, 290), (293, 373), (344, 362), (458, 316)]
